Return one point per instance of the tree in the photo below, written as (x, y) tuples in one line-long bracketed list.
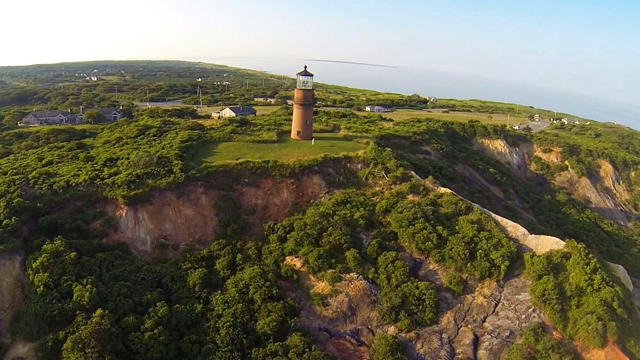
[(11, 118), (93, 117), (93, 339)]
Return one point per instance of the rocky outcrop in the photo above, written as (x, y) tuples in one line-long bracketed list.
[(604, 192), (187, 218), (344, 325), (482, 325)]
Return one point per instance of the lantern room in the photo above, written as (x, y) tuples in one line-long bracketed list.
[(305, 79)]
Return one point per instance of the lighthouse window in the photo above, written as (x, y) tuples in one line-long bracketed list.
[(307, 121)]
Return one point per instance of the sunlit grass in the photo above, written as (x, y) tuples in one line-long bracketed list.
[(284, 150)]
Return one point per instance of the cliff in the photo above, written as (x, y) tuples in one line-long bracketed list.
[(12, 277), (603, 191), (175, 220), (12, 292)]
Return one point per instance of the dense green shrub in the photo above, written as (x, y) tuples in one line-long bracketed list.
[(453, 232), (386, 347), (405, 301), (454, 282), (96, 302), (581, 299), (534, 343)]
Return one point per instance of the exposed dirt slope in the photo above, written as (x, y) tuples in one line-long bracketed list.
[(12, 277), (174, 220), (12, 292), (603, 192), (517, 157)]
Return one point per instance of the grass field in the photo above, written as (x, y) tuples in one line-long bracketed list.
[(285, 149), (404, 114)]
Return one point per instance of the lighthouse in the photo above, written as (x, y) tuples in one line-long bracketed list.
[(302, 121)]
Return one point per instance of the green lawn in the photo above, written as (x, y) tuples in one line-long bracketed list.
[(285, 149), (463, 116)]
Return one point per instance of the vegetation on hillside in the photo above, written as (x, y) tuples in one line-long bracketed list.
[(581, 299), (535, 343), (441, 226), (89, 300)]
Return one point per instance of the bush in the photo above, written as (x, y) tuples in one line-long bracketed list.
[(534, 343), (580, 298), (386, 347), (454, 282)]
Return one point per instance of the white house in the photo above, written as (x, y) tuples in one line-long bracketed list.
[(375, 108), (234, 111)]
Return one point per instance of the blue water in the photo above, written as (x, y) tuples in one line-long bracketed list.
[(442, 85)]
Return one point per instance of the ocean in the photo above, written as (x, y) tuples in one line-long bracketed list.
[(406, 80)]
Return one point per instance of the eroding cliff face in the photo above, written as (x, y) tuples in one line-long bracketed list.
[(12, 292), (517, 157), (603, 192), (170, 222), (12, 277), (272, 199), (552, 155), (187, 218)]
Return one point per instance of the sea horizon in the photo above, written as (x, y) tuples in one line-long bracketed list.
[(407, 80)]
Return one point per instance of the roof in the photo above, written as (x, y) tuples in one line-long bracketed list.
[(242, 110), (304, 72), (49, 113), (108, 111)]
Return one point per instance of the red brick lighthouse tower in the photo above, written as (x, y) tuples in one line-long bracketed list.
[(302, 122)]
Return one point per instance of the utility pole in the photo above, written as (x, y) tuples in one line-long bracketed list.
[(200, 94), (247, 84), (116, 93), (148, 98)]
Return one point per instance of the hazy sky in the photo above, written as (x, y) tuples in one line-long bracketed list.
[(585, 47)]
